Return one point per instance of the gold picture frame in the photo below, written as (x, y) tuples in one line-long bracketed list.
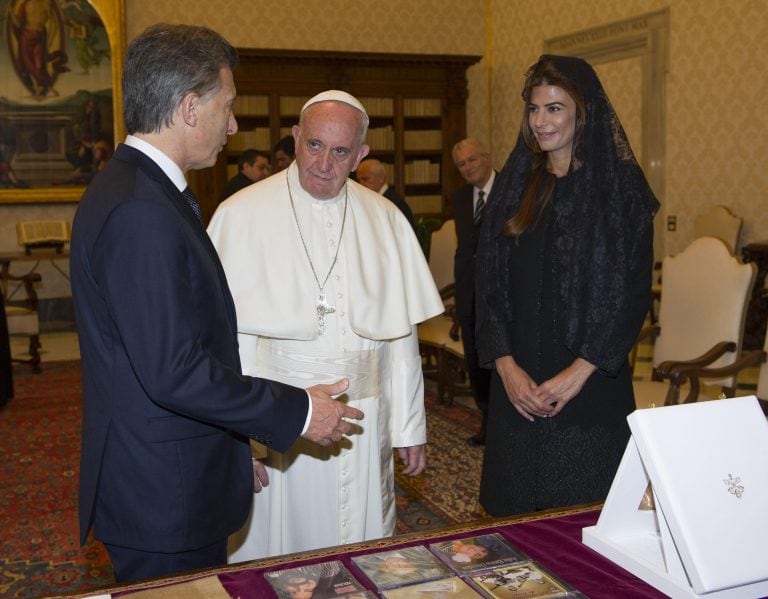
[(42, 117)]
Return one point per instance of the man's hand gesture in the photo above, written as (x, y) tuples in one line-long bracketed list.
[(327, 424)]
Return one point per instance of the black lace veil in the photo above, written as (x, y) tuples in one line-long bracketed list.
[(602, 231)]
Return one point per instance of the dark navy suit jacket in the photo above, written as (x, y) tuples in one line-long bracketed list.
[(165, 462), (399, 201), (466, 247)]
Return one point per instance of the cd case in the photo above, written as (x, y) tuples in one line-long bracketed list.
[(319, 581), (482, 552), (525, 579), (444, 588), (399, 567)]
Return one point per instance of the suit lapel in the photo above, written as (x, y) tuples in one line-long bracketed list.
[(144, 163)]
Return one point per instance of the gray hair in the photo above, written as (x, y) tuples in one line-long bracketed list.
[(162, 65), (469, 141)]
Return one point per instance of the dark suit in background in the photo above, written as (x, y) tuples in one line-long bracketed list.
[(464, 273), (391, 194)]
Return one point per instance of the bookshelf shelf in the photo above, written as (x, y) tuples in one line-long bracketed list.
[(416, 104)]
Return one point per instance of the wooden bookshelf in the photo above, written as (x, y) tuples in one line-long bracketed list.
[(416, 104)]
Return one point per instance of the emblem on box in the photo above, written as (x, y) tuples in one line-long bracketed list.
[(734, 485)]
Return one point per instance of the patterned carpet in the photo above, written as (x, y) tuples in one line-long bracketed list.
[(40, 428), (40, 431), (447, 492)]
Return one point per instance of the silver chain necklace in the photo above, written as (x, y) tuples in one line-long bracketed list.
[(322, 307)]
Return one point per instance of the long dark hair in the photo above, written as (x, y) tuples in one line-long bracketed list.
[(541, 183)]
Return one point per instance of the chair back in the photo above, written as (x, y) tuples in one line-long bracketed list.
[(442, 252), (719, 222), (704, 302)]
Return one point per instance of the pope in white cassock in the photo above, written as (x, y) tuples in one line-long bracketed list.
[(329, 281)]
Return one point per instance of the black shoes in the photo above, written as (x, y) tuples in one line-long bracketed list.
[(477, 440)]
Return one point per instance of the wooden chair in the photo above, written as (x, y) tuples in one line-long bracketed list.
[(717, 222), (701, 318), (440, 330), (22, 315), (700, 391)]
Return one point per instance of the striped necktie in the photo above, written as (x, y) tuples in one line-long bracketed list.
[(477, 219), (192, 201)]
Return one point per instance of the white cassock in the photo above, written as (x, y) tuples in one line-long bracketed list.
[(380, 288)]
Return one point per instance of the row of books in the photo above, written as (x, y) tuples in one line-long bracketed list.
[(256, 138), (378, 106), (478, 566), (422, 171)]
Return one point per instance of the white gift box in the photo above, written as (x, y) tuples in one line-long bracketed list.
[(708, 534)]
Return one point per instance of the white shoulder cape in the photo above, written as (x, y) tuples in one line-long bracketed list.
[(391, 287)]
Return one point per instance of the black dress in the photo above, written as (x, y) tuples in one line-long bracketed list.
[(571, 458)]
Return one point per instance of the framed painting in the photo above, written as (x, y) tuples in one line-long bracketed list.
[(60, 102)]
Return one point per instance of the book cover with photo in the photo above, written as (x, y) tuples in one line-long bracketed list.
[(444, 588), (398, 567), (482, 552), (526, 579), (318, 581)]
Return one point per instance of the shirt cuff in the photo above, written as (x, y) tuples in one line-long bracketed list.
[(309, 415)]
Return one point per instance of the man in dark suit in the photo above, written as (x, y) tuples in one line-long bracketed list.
[(371, 173), (252, 166), (166, 472), (474, 164)]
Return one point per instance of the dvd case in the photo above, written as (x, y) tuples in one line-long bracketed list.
[(443, 588), (319, 581), (399, 567), (482, 552), (525, 579)]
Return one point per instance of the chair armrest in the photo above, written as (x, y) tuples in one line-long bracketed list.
[(695, 375), (450, 311), (671, 367), (448, 291), (677, 371), (648, 333)]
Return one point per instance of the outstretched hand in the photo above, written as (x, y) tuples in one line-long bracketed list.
[(327, 424)]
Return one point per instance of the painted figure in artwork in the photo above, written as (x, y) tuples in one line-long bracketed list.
[(37, 44)]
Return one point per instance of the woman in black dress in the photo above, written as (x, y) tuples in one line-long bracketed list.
[(563, 284)]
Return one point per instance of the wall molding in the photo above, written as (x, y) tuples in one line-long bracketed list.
[(645, 37)]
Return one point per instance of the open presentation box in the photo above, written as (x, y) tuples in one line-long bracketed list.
[(688, 508)]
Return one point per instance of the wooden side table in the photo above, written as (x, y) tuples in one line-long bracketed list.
[(757, 311)]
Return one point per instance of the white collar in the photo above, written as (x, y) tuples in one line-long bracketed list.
[(168, 166)]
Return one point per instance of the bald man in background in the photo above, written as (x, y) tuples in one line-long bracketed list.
[(372, 174)]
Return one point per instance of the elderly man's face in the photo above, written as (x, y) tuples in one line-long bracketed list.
[(328, 147), (474, 166)]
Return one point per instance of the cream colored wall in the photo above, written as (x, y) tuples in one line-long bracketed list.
[(717, 130), (433, 26)]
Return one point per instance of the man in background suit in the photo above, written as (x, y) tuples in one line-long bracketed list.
[(252, 166), (474, 164), (371, 173), (166, 472)]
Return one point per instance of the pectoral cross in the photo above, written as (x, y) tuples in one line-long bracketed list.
[(323, 308)]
